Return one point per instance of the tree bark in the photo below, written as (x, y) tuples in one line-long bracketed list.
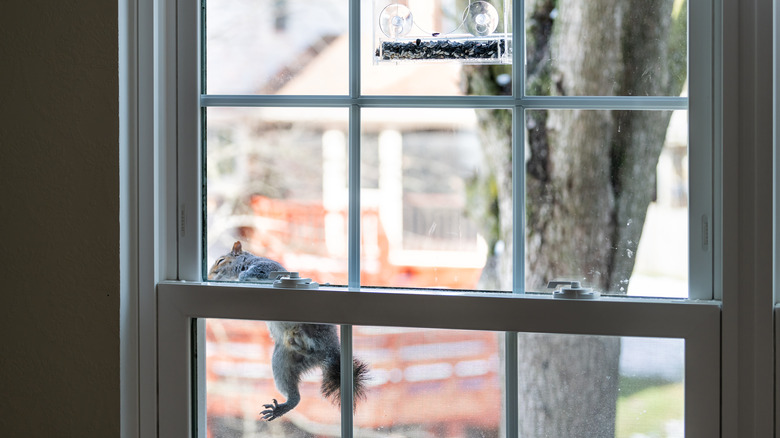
[(568, 386)]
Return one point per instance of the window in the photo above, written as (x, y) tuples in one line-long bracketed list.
[(688, 325)]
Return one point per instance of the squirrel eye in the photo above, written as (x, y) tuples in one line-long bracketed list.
[(221, 259)]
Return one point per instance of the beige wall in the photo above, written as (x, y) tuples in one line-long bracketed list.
[(59, 209)]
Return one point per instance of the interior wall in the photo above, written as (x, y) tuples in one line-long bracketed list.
[(59, 210)]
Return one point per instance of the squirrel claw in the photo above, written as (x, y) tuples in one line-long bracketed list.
[(270, 412)]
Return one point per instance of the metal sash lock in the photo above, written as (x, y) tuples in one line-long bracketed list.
[(574, 292), (292, 280)]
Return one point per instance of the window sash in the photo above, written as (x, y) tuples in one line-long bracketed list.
[(181, 303), (700, 105)]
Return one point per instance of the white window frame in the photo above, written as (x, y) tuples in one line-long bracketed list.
[(776, 203), (726, 375)]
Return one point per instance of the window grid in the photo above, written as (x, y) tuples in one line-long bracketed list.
[(518, 103)]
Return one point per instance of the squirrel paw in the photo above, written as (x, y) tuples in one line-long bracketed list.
[(272, 411)]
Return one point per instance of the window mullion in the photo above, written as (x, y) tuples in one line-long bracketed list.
[(353, 269), (354, 48), (511, 401), (347, 382), (354, 198), (511, 367), (518, 49), (518, 201), (531, 102), (354, 147)]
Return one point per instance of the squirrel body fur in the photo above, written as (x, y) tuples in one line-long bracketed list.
[(298, 347)]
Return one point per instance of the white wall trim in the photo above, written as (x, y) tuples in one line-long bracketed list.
[(746, 265), (128, 226)]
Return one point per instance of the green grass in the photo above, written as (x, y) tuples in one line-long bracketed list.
[(645, 412)]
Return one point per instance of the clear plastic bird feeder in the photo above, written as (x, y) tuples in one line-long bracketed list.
[(438, 30)]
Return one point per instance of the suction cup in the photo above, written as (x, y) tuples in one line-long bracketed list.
[(481, 19), (395, 20)]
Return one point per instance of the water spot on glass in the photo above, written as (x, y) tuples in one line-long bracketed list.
[(503, 79)]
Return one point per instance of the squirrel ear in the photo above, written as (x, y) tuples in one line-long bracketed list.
[(236, 248)]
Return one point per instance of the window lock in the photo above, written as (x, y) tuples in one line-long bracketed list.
[(293, 280), (574, 292)]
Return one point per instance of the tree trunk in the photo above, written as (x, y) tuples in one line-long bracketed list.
[(568, 386), (590, 177)]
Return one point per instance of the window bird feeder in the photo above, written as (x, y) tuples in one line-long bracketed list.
[(477, 35)]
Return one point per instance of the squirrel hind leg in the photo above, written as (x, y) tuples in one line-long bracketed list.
[(287, 368)]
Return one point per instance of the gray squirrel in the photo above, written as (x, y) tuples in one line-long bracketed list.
[(242, 266), (298, 347)]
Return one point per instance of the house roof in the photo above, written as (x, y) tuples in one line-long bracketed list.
[(411, 78), (406, 78)]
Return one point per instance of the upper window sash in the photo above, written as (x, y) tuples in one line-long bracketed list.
[(703, 141)]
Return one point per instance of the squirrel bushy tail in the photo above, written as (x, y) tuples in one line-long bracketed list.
[(331, 380)]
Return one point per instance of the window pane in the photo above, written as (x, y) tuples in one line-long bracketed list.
[(240, 381), (435, 383), (276, 182), (436, 48), (276, 46), (606, 47), (605, 386), (451, 383), (428, 198), (606, 200)]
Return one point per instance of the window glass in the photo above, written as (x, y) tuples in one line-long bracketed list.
[(425, 382), (240, 381), (426, 221), (423, 47), (606, 386), (275, 181), (276, 46), (448, 383), (607, 200), (605, 48)]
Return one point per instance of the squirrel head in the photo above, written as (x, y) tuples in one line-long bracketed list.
[(223, 267)]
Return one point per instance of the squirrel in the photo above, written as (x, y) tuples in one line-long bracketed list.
[(298, 347), (242, 266)]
